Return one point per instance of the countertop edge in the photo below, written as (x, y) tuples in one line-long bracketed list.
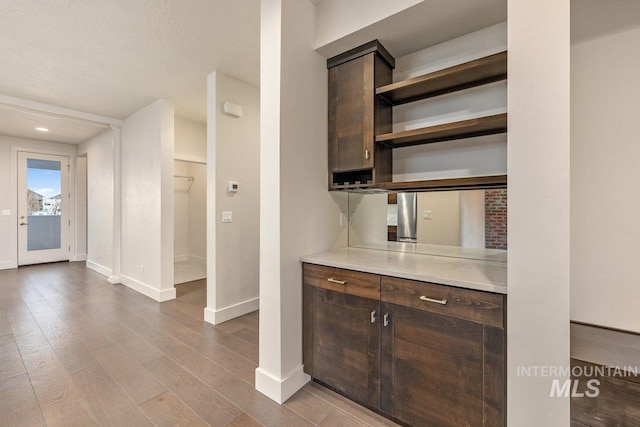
[(449, 281)]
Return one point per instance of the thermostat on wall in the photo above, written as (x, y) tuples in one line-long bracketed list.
[(232, 187)]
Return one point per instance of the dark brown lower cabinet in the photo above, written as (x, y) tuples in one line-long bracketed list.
[(346, 344), (422, 354)]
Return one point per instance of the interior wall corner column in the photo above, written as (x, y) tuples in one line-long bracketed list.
[(209, 310), (538, 274), (117, 205)]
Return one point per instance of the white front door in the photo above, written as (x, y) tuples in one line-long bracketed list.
[(43, 208)]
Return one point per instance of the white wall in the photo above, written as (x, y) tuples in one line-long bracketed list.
[(367, 218), (190, 198), (338, 18), (99, 159), (147, 201), (8, 201), (538, 209), (182, 188), (190, 139), (444, 226), (198, 214), (452, 159), (234, 148), (297, 214), (605, 101), (472, 219), (81, 209)]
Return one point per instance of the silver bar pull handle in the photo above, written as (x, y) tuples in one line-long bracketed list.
[(385, 319), (437, 301), (367, 154), (373, 316), (339, 282)]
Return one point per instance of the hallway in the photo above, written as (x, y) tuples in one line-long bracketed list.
[(76, 351)]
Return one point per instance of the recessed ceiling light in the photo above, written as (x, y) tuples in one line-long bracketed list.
[(42, 129)]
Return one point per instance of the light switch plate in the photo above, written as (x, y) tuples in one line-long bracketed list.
[(227, 216), (6, 212), (427, 215)]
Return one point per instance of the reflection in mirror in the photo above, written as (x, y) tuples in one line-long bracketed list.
[(467, 224)]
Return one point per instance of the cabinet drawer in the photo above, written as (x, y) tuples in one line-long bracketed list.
[(481, 307), (346, 281)]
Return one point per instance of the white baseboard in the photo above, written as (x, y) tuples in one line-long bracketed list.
[(216, 317), (114, 280), (604, 346), (8, 264), (278, 389), (181, 258), (198, 259), (147, 290), (101, 269)]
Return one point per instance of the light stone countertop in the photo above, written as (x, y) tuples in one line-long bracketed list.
[(480, 275), (481, 254)]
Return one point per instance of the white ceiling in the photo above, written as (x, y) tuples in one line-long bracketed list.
[(23, 125), (425, 24), (112, 58)]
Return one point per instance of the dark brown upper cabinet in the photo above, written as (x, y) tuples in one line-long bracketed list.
[(361, 100), (357, 115)]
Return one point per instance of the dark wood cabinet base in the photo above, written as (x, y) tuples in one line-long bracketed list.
[(420, 361)]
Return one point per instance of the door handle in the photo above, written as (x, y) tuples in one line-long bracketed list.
[(436, 301), (24, 223)]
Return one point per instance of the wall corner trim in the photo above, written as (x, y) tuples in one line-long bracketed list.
[(278, 389), (8, 264), (147, 290), (100, 269), (78, 257), (215, 317)]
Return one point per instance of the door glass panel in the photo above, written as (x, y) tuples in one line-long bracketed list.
[(44, 207)]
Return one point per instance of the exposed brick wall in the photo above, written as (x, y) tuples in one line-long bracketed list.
[(495, 212)]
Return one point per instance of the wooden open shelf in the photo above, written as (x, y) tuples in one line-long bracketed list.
[(480, 126), (472, 183), (353, 186), (481, 71)]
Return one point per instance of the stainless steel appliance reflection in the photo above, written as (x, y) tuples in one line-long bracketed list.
[(407, 217)]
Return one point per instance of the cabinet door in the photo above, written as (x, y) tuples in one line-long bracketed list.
[(345, 344), (351, 114), (431, 368)]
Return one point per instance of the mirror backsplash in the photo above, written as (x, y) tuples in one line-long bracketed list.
[(466, 224)]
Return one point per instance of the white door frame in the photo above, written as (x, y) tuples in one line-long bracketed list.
[(13, 238), (25, 222)]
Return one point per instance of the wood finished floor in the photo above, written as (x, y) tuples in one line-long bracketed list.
[(77, 351)]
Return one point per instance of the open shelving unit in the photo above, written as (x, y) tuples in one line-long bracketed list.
[(490, 69), (470, 128), (474, 73)]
